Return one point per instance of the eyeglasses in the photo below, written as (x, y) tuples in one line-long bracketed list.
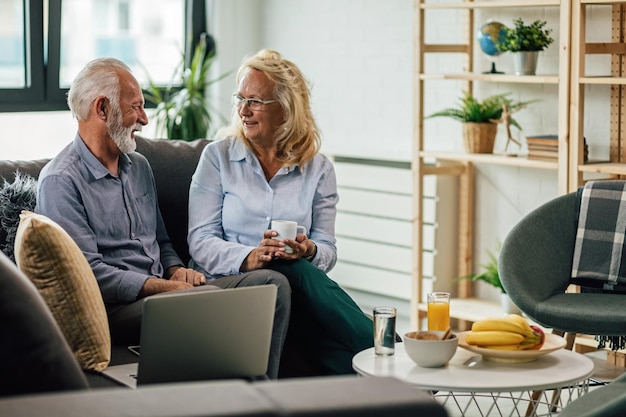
[(253, 103)]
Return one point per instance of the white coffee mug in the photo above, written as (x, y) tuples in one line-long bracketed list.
[(286, 229)]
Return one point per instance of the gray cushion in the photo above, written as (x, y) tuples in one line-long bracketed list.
[(34, 356), (32, 168), (173, 163)]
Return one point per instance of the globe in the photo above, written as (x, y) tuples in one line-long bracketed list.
[(488, 36)]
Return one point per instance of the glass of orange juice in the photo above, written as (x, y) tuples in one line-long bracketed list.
[(438, 310)]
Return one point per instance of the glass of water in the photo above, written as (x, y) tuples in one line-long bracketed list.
[(384, 330)]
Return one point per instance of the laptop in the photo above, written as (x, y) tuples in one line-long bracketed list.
[(190, 336)]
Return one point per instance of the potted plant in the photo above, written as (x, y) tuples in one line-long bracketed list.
[(480, 119), (182, 110), (491, 276), (525, 41)]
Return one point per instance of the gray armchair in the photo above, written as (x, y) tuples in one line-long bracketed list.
[(535, 266), (607, 401)]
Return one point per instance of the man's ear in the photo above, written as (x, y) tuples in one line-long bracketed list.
[(101, 106)]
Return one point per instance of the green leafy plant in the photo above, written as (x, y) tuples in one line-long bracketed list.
[(472, 110), (182, 110), (490, 273), (521, 37)]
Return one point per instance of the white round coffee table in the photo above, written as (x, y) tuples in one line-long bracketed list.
[(468, 380)]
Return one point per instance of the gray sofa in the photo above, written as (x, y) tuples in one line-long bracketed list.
[(39, 374)]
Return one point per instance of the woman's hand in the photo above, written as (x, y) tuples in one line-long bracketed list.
[(270, 249), (262, 255), (302, 248)]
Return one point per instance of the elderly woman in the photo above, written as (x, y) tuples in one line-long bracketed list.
[(267, 166)]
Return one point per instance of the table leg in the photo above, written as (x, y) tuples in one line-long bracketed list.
[(501, 404)]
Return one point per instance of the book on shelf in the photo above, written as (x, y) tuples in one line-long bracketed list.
[(546, 147), (543, 154), (543, 158), (542, 148), (543, 140)]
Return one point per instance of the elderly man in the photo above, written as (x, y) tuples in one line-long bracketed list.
[(104, 195)]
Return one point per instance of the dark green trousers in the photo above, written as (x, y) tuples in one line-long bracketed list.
[(325, 321)]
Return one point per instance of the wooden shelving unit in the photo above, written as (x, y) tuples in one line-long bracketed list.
[(581, 80), (427, 162), (574, 81)]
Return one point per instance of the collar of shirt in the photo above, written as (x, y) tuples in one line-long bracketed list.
[(239, 152), (94, 166)]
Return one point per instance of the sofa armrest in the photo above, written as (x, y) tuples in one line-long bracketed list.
[(228, 398), (347, 396), (322, 396)]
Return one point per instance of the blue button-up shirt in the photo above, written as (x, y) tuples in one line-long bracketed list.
[(231, 204), (115, 221)]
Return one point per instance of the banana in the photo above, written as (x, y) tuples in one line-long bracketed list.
[(500, 324), (516, 318), (505, 347), (493, 338), (504, 333)]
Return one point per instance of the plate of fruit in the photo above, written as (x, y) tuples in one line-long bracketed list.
[(509, 339)]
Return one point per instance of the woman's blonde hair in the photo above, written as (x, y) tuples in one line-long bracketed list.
[(298, 138)]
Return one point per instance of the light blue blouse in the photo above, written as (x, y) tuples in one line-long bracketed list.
[(231, 204)]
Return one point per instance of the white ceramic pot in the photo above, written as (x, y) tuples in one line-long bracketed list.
[(508, 306)]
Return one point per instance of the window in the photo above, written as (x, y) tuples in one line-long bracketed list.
[(45, 43), (12, 44)]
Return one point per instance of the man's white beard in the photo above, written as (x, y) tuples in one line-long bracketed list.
[(122, 136)]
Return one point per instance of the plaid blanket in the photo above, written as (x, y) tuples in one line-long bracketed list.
[(599, 247)]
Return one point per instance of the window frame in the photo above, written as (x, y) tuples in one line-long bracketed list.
[(44, 92)]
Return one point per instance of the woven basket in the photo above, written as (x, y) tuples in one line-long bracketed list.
[(479, 137)]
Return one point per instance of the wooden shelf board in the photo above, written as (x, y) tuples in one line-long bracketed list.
[(520, 161), (470, 309), (603, 80), (600, 2), (498, 78), (604, 168), (443, 167), (491, 4)]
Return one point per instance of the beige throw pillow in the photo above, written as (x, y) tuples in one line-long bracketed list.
[(61, 273)]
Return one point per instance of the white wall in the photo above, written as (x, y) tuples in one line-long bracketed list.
[(358, 55), (35, 135)]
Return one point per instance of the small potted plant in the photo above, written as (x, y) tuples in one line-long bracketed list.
[(480, 119), (491, 276), (525, 41)]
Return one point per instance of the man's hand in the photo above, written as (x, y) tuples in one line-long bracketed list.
[(190, 276), (154, 285)]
